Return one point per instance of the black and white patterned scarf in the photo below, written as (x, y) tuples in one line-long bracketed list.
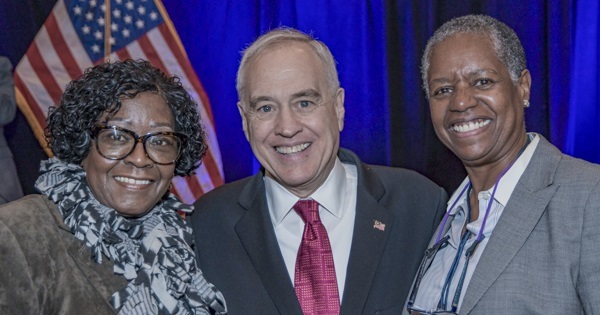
[(152, 252)]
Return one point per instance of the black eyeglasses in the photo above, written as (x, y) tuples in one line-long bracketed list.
[(424, 266), (116, 143)]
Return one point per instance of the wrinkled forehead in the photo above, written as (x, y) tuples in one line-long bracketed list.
[(295, 64)]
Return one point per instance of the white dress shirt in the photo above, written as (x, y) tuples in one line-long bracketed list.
[(430, 289), (337, 200)]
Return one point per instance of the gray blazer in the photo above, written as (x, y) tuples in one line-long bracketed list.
[(238, 250), (544, 255)]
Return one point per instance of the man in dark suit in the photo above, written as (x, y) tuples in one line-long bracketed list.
[(372, 222), (10, 187)]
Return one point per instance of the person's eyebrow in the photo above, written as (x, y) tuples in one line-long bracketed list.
[(482, 71), (476, 72), (127, 121), (307, 93), (258, 99)]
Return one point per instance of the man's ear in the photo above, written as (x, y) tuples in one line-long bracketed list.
[(240, 107), (340, 110)]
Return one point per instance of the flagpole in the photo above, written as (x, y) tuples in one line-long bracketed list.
[(107, 33)]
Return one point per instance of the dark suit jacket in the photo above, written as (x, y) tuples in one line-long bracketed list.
[(238, 250), (542, 257)]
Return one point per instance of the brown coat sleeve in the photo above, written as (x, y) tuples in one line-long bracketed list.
[(45, 269)]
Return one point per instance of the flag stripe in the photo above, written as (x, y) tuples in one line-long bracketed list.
[(192, 183), (59, 44), (43, 72), (212, 167), (74, 46), (181, 189), (151, 53), (39, 115), (53, 61), (204, 179), (123, 54), (206, 112), (34, 91)]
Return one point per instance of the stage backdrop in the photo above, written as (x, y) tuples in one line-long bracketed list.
[(378, 45)]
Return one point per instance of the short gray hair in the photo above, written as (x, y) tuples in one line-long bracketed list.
[(505, 42), (276, 37)]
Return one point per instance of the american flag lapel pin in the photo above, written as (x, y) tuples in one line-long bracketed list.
[(378, 225)]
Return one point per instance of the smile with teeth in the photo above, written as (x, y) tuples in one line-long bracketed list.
[(132, 181), (292, 150), (470, 126)]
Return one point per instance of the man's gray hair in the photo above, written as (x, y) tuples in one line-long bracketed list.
[(277, 37), (505, 43)]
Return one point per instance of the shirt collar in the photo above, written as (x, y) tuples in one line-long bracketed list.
[(456, 195), (507, 183), (281, 201)]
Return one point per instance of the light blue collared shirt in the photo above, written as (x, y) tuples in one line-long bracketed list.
[(431, 286)]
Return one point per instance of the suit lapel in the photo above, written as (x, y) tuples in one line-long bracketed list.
[(520, 216), (255, 231), (369, 237)]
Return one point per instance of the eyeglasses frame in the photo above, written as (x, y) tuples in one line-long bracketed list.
[(138, 139)]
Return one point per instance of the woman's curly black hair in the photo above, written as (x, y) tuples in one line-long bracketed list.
[(101, 89)]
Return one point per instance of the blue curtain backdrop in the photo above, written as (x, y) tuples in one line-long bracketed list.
[(377, 45)]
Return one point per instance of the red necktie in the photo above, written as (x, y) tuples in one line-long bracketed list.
[(314, 280)]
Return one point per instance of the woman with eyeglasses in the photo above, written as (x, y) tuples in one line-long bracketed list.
[(522, 232), (105, 236)]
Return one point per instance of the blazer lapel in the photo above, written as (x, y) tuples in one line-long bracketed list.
[(369, 237), (255, 231), (524, 209)]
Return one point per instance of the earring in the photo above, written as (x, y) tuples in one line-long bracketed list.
[(526, 103)]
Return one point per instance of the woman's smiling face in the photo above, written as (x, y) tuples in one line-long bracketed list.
[(476, 109), (134, 184)]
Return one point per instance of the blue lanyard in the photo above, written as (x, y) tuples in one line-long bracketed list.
[(487, 212), (446, 288)]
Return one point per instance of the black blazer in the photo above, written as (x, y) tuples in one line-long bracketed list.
[(238, 250)]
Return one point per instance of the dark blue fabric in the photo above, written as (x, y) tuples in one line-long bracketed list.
[(583, 126), (378, 46)]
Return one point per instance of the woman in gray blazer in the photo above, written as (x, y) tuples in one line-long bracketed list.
[(521, 234)]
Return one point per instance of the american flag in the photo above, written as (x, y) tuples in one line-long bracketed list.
[(378, 225), (81, 33)]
